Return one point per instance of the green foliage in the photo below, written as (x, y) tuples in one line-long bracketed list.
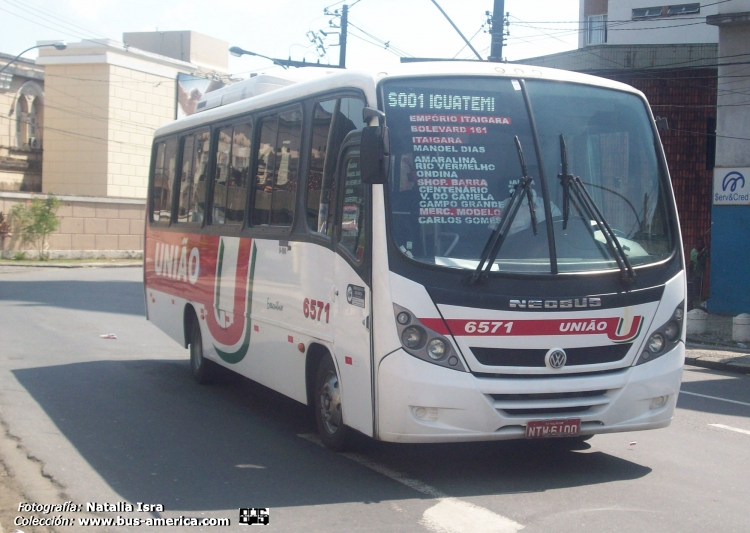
[(35, 220), (19, 256)]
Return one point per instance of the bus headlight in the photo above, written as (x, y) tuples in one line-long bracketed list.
[(436, 349), (664, 338), (656, 343), (425, 343), (412, 337), (403, 318), (672, 331)]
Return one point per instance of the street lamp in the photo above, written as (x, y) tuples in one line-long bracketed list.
[(60, 45), (236, 51)]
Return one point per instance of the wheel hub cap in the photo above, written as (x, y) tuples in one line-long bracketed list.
[(330, 403)]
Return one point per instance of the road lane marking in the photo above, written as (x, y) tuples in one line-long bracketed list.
[(730, 428), (714, 398), (449, 515)]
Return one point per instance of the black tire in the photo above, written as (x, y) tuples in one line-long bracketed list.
[(328, 409), (200, 367)]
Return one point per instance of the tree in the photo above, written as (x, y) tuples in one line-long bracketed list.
[(35, 220)]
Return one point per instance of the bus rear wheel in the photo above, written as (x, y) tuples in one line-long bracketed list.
[(200, 367), (328, 409)]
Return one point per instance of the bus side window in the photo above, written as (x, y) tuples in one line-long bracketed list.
[(164, 175), (333, 120), (199, 178), (287, 165), (223, 151), (278, 164), (158, 182), (353, 219), (186, 177), (266, 167), (239, 174), (168, 178)]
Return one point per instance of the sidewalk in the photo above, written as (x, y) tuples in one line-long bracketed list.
[(716, 350)]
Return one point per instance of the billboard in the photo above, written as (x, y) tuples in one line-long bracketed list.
[(189, 91)]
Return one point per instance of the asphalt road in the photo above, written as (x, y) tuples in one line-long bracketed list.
[(110, 420)]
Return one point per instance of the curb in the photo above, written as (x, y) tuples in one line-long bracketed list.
[(111, 264), (737, 365), (718, 365)]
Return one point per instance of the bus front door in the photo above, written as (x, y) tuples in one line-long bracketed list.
[(351, 307)]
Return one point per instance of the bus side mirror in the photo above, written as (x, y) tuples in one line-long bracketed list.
[(374, 155)]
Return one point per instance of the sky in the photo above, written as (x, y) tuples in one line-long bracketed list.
[(280, 28)]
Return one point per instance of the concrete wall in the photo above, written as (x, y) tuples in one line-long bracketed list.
[(89, 227), (139, 102), (189, 46), (76, 138)]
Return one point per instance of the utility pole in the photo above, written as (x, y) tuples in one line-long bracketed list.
[(497, 31), (342, 36)]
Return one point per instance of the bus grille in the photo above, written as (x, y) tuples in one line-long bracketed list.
[(511, 357), (557, 403)]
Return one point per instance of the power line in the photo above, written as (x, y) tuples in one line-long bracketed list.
[(471, 39), (379, 45), (713, 135), (387, 44), (40, 12)]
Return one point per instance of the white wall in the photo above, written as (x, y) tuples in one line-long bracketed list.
[(681, 29)]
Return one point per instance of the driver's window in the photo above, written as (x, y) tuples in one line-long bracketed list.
[(353, 217)]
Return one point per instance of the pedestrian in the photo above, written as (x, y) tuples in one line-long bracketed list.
[(698, 257)]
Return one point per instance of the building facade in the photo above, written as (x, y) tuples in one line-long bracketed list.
[(628, 22), (99, 102), (730, 214), (680, 84), (21, 125)]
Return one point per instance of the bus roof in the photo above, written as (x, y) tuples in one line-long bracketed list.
[(265, 90)]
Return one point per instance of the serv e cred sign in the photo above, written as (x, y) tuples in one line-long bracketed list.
[(732, 186)]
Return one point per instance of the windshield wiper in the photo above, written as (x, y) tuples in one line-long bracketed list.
[(587, 206), (497, 237)]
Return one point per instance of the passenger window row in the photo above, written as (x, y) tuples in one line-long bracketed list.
[(182, 195)]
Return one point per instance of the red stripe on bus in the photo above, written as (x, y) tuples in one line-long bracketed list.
[(612, 327)]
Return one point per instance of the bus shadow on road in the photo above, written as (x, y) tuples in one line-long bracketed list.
[(124, 297), (155, 436)]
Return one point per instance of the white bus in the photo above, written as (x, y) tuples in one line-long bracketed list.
[(445, 252)]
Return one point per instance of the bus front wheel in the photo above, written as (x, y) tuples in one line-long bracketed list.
[(199, 366), (328, 409)]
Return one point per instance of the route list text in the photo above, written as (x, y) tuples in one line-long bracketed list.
[(451, 156)]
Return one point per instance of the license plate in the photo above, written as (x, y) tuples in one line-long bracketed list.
[(541, 429)]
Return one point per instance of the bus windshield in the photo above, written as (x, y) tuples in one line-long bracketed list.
[(455, 164)]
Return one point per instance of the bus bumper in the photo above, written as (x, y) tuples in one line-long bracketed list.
[(421, 402)]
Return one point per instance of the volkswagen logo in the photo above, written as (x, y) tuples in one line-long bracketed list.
[(555, 358)]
